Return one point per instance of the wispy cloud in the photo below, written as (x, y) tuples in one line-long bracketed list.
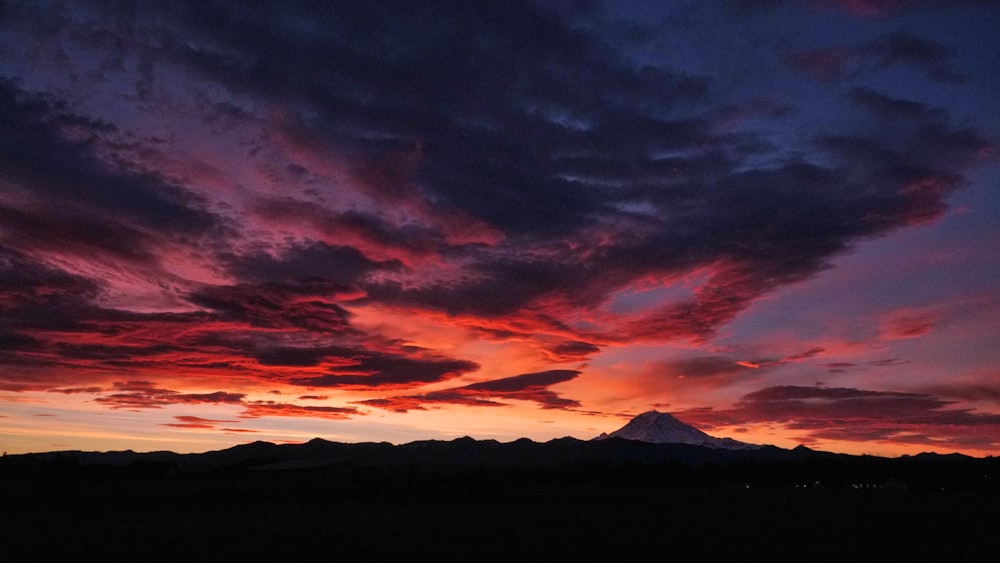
[(523, 387)]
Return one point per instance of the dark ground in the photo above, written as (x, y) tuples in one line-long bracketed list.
[(289, 516)]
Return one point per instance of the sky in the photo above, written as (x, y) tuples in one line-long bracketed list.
[(224, 222)]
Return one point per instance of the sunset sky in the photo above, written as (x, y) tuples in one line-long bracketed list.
[(223, 222)]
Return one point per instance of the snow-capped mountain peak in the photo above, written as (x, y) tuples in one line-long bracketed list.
[(662, 428)]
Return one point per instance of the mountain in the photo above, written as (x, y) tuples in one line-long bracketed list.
[(661, 428)]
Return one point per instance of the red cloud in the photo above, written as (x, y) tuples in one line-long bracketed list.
[(258, 409), (859, 415), (908, 324), (524, 387), (143, 395), (717, 371), (196, 422), (730, 289)]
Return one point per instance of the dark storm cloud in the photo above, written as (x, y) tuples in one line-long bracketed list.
[(523, 387), (890, 49), (368, 369), (364, 228), (288, 356), (869, 7), (764, 228), (572, 350), (902, 47), (301, 304), (35, 296), (885, 8), (521, 278), (893, 108), (57, 227), (481, 88), (525, 381), (598, 170), (39, 156), (11, 341), (314, 262), (25, 281), (110, 353)]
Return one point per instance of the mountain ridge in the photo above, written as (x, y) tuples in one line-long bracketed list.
[(652, 440), (657, 427)]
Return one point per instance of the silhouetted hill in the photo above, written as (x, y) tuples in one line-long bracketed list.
[(683, 463)]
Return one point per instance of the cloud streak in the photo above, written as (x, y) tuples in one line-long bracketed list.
[(524, 387), (850, 414)]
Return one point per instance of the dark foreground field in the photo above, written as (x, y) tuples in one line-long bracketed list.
[(291, 516)]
